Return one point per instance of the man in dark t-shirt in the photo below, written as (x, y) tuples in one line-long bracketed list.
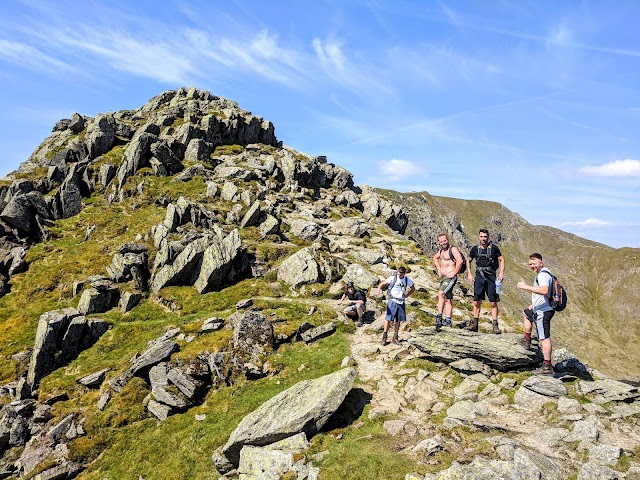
[(489, 267), (356, 301)]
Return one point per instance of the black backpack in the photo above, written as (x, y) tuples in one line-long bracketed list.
[(463, 268), (557, 294)]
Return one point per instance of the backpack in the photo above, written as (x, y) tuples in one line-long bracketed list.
[(393, 282), (557, 294), (463, 268), (489, 258)]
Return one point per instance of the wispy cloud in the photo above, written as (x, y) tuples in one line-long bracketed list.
[(395, 170), (589, 222), (617, 168), (31, 57)]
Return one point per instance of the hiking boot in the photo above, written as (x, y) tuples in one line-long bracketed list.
[(359, 323), (438, 322), (473, 325), (384, 339), (545, 369), (396, 340), (525, 342), (462, 324), (496, 329), (447, 323)]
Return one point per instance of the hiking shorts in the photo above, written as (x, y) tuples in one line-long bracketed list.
[(395, 312), (542, 321), (447, 284), (351, 310), (482, 286)]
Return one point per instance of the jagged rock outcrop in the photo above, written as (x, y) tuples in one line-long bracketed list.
[(305, 407), (60, 336), (502, 352)]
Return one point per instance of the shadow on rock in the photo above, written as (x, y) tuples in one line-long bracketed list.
[(350, 410)]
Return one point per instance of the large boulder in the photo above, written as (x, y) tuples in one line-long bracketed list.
[(361, 277), (306, 229), (217, 262), (502, 352), (184, 268), (300, 268), (351, 226), (101, 134), (305, 407), (60, 336)]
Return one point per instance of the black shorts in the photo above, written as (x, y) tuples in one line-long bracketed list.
[(482, 286), (542, 321)]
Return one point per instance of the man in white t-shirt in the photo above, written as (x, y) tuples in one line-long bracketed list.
[(400, 287), (539, 312)]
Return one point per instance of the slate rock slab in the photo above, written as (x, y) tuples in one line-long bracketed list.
[(502, 352), (304, 407)]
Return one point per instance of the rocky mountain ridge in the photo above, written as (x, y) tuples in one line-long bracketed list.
[(153, 259)]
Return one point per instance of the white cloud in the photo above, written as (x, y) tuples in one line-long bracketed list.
[(395, 170), (617, 168), (589, 222)]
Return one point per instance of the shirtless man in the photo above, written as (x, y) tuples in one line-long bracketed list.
[(448, 262)]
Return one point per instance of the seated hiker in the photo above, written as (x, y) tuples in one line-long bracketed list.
[(357, 303)]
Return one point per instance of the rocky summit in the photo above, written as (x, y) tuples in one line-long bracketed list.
[(170, 285)]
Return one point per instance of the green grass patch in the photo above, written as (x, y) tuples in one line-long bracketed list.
[(227, 150)]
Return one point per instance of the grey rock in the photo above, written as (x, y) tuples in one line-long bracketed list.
[(93, 300), (22, 210), (101, 134), (360, 276), (157, 353), (568, 405), (165, 155), (548, 386), (173, 399), (107, 173), (118, 382), (159, 410), (51, 326), (486, 469), (217, 262), (129, 300), (469, 366), (368, 256), (609, 390), (350, 226), (251, 217), (229, 192), (466, 411), (197, 170), (197, 150), (305, 407), (502, 352), (211, 325), (269, 226), (585, 430), (300, 268), (238, 173), (592, 471), (253, 337), (319, 332), (77, 123), (184, 267), (246, 303), (264, 463), (604, 454), (532, 400), (508, 383), (212, 189), (184, 382), (305, 229), (104, 399), (94, 380)]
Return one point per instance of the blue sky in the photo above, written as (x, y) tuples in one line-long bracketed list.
[(535, 105)]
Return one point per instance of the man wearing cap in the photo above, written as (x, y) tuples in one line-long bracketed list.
[(356, 301)]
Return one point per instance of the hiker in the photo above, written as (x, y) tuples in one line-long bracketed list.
[(356, 301), (448, 262), (539, 312), (488, 259), (399, 287)]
